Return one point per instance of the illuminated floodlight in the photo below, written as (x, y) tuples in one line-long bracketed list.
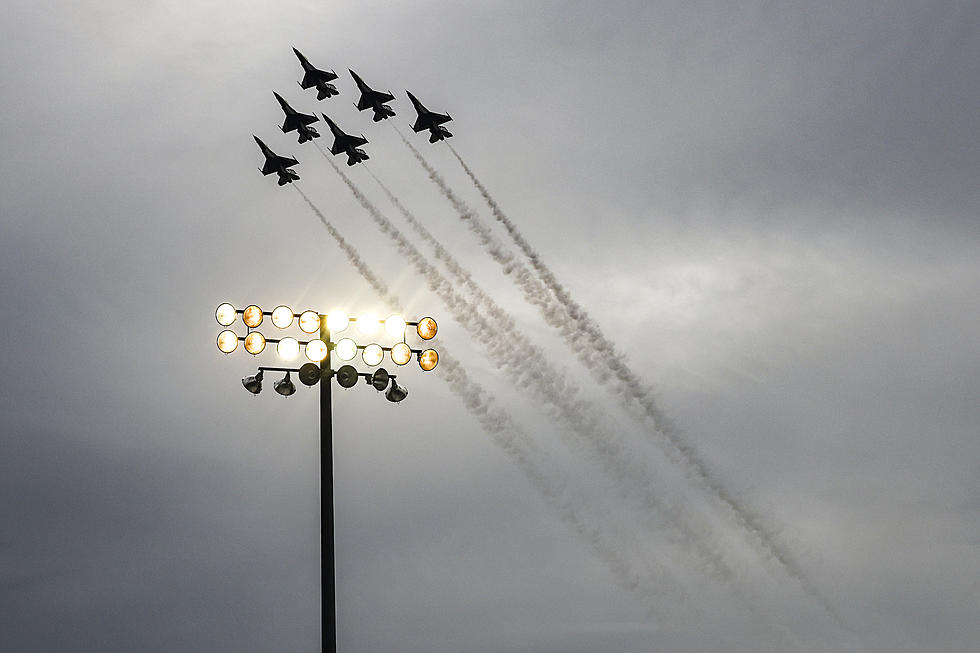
[(282, 316), (227, 341), (427, 328), (346, 349), (372, 354), (368, 324), (395, 326), (337, 321), (400, 353), (252, 316), (288, 348), (309, 321), (254, 343), (225, 315), (316, 350), (428, 360)]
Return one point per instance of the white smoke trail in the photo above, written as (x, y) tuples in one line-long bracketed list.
[(598, 352), (527, 364), (507, 435)]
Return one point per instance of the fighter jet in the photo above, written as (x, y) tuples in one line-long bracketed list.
[(346, 143), (430, 120), (315, 77), (277, 164), (371, 99), (300, 122)]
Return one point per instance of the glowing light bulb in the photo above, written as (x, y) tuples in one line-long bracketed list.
[(227, 341), (395, 326), (316, 350), (368, 324), (373, 354), (346, 349), (428, 360), (337, 321), (254, 343), (282, 316), (225, 315), (252, 316), (427, 328), (309, 322), (401, 353), (288, 348)]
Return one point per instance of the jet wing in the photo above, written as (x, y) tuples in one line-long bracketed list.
[(428, 120), (295, 120), (276, 163), (313, 76), (371, 97)]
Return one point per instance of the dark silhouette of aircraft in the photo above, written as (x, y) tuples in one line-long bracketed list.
[(300, 122), (315, 77), (346, 143), (277, 164), (430, 120), (371, 99)]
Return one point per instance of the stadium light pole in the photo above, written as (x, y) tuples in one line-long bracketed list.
[(321, 371)]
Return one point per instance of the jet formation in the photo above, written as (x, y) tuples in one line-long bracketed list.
[(343, 143)]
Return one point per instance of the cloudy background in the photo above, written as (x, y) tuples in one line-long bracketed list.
[(771, 208)]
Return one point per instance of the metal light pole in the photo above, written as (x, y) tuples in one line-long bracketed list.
[(328, 586), (320, 370)]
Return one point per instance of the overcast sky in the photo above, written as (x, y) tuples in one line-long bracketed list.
[(770, 208)]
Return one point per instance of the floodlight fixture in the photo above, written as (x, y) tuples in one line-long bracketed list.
[(401, 353), (227, 341), (346, 349), (347, 376), (427, 328), (225, 314), (373, 354), (288, 348), (282, 316), (252, 316), (284, 386), (428, 360), (309, 374), (309, 321), (380, 379), (396, 392), (316, 350), (254, 343), (253, 383), (337, 321), (368, 323), (395, 326)]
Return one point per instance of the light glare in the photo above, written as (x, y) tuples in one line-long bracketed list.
[(368, 324), (225, 315), (288, 348), (227, 341), (346, 349), (401, 353), (252, 316), (309, 322), (395, 326), (282, 316), (373, 354), (337, 321)]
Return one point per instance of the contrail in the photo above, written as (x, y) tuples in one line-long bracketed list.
[(515, 354), (509, 437), (595, 350), (588, 332)]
